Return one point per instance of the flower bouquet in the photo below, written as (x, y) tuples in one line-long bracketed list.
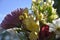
[(42, 23)]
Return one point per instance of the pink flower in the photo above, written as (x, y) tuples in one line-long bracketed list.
[(44, 32)]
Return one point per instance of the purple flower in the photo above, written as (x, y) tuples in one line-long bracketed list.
[(12, 20)]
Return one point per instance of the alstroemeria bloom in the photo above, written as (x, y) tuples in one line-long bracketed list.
[(55, 26)]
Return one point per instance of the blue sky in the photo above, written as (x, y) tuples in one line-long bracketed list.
[(6, 6)]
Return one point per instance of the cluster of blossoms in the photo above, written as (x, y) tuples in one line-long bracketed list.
[(42, 24), (12, 20)]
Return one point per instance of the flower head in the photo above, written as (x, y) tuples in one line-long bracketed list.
[(44, 32), (12, 20), (55, 27)]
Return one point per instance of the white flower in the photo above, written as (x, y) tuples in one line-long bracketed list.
[(34, 0), (49, 1), (51, 27), (55, 26), (57, 22)]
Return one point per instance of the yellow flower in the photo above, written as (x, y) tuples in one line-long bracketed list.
[(40, 16), (33, 36), (25, 13), (54, 16), (26, 10), (31, 25), (21, 17)]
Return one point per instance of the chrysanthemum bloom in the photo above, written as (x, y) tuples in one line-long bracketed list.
[(12, 20)]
